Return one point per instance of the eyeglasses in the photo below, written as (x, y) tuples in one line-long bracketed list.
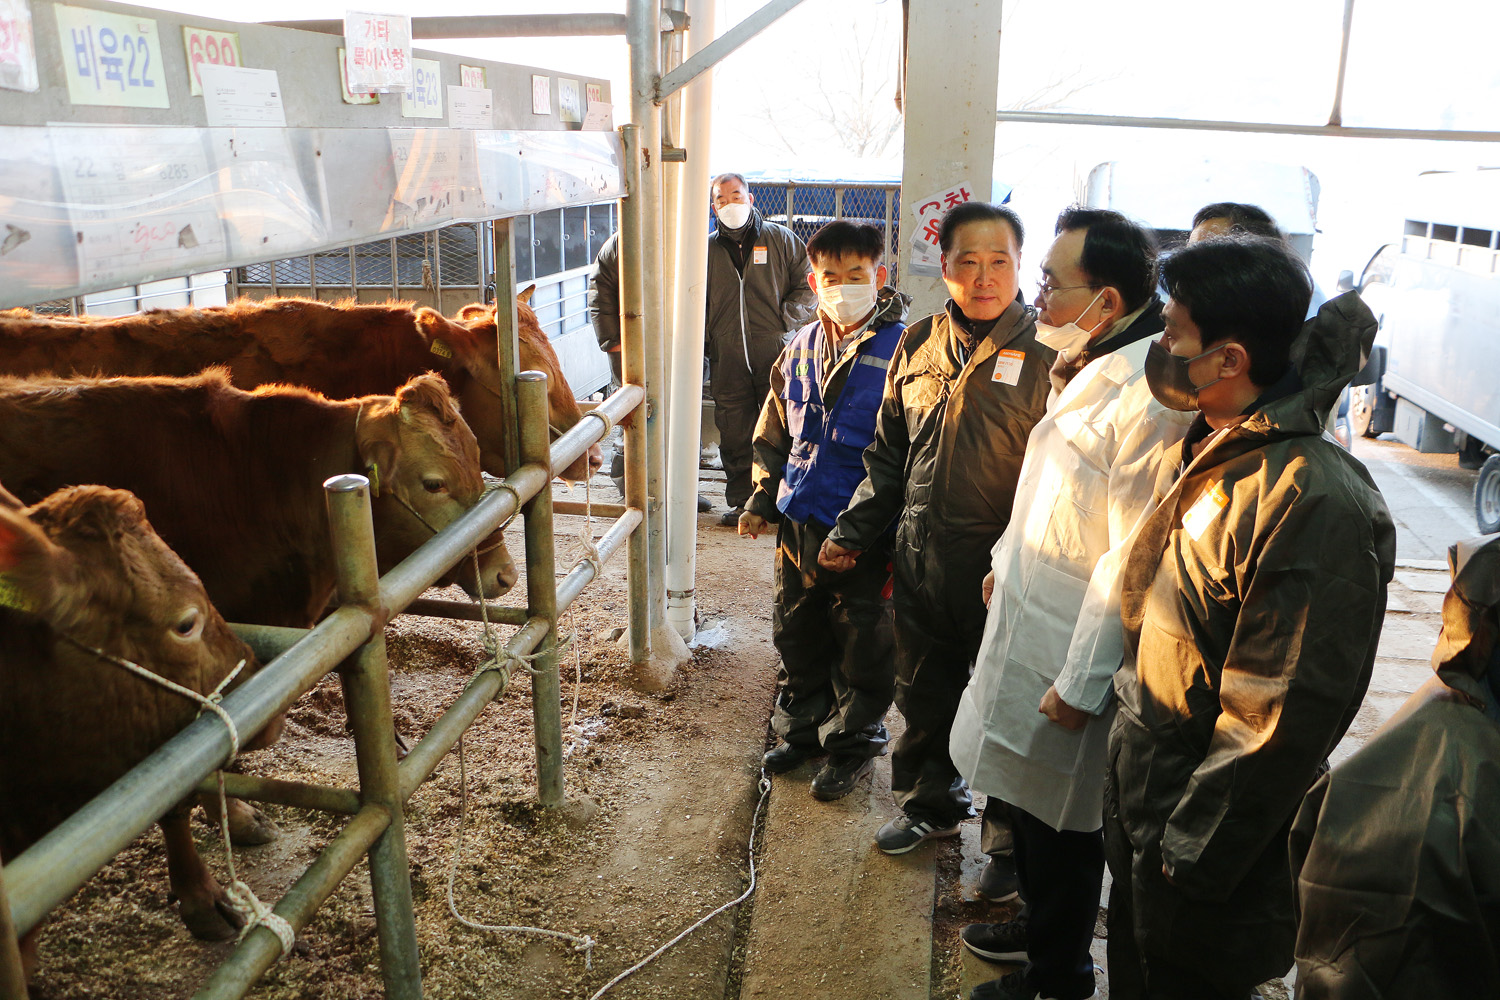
[(1046, 291)]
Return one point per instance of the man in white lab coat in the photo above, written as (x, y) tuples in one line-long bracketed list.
[(1033, 724)]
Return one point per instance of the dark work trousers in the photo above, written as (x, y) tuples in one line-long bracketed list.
[(738, 396), (1132, 974), (994, 827), (936, 643), (1061, 872), (833, 631)]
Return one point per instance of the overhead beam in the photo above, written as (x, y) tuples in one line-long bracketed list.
[(1205, 125), (706, 57), (488, 25)]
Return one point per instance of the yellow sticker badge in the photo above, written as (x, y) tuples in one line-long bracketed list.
[(1202, 513), (1008, 367)]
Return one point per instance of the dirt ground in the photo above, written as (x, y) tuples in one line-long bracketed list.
[(661, 791)]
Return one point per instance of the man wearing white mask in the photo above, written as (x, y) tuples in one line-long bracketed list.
[(757, 292), (833, 630), (1033, 724)]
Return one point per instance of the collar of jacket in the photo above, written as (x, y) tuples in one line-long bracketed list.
[(1144, 322), (1011, 324), (747, 235), (1466, 650)]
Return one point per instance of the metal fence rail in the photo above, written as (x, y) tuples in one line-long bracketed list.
[(351, 639)]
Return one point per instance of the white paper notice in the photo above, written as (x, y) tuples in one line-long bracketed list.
[(569, 102), (601, 117), (111, 60), (236, 95), (471, 107), (380, 59), (17, 49), (926, 253), (140, 200), (424, 98), (541, 95)]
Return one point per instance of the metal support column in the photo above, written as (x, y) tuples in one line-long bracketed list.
[(505, 332), (632, 334), (643, 18), (541, 591), (12, 977), (367, 698)]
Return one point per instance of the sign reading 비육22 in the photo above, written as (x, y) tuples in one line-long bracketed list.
[(111, 59)]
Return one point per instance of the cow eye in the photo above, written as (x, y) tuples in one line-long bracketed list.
[(434, 485), (189, 624)]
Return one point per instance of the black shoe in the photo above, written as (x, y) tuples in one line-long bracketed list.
[(839, 775), (996, 942), (1013, 986), (704, 504), (731, 518), (999, 882), (786, 756)]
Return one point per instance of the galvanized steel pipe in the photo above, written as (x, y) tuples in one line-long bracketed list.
[(487, 25), (591, 429), (297, 794), (632, 334), (541, 593)]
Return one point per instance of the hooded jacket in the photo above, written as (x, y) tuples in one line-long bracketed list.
[(604, 294), (1396, 852), (811, 435), (948, 446), (1054, 619), (1252, 601), (750, 313)]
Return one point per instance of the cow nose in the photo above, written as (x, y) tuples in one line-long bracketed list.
[(596, 459), (505, 578)]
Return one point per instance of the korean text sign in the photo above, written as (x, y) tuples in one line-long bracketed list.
[(17, 48), (204, 45), (111, 59), (379, 46)]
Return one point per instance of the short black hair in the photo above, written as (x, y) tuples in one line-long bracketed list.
[(1116, 252), (842, 237), (1243, 218), (713, 185), (979, 211), (1252, 289)]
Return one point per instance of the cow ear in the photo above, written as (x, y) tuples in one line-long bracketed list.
[(375, 441), (524, 295), (445, 339), (28, 558), (477, 310), (427, 392)]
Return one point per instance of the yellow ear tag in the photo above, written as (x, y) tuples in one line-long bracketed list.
[(374, 477), (441, 349), (11, 596)]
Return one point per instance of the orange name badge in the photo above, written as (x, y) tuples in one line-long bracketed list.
[(1202, 513), (760, 255), (1008, 367)]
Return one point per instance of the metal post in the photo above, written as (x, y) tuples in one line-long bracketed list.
[(367, 699), (1336, 116), (638, 579), (541, 591), (643, 18), (12, 977), (505, 333)]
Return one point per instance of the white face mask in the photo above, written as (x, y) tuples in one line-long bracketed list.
[(1067, 340), (847, 304), (733, 215)]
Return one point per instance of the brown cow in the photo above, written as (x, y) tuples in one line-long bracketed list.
[(233, 479), (341, 350), (79, 572)]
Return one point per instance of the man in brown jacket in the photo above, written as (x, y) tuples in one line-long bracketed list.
[(1252, 601)]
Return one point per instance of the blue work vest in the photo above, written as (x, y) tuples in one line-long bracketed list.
[(826, 462)]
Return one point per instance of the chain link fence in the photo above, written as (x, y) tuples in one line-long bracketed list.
[(810, 205)]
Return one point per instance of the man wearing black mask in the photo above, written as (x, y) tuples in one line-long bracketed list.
[(757, 293)]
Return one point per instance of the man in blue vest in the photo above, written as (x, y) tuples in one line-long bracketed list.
[(833, 630)]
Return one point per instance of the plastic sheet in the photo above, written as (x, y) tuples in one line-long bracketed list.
[(86, 208)]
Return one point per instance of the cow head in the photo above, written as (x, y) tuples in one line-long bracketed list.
[(86, 562), (536, 354), (423, 464)]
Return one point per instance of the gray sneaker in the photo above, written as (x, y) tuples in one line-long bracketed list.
[(999, 881), (905, 832)]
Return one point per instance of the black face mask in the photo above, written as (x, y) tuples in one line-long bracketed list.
[(1167, 377)]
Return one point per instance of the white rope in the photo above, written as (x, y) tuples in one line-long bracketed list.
[(765, 790), (242, 898)]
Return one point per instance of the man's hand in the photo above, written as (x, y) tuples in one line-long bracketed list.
[(751, 524), (987, 588), (1060, 712), (835, 557)]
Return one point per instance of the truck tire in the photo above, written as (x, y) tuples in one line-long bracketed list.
[(1487, 496)]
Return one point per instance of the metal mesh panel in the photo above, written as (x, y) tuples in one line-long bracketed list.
[(255, 274), (293, 271), (372, 263), (332, 268), (770, 199), (458, 256), (54, 307), (410, 252)]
